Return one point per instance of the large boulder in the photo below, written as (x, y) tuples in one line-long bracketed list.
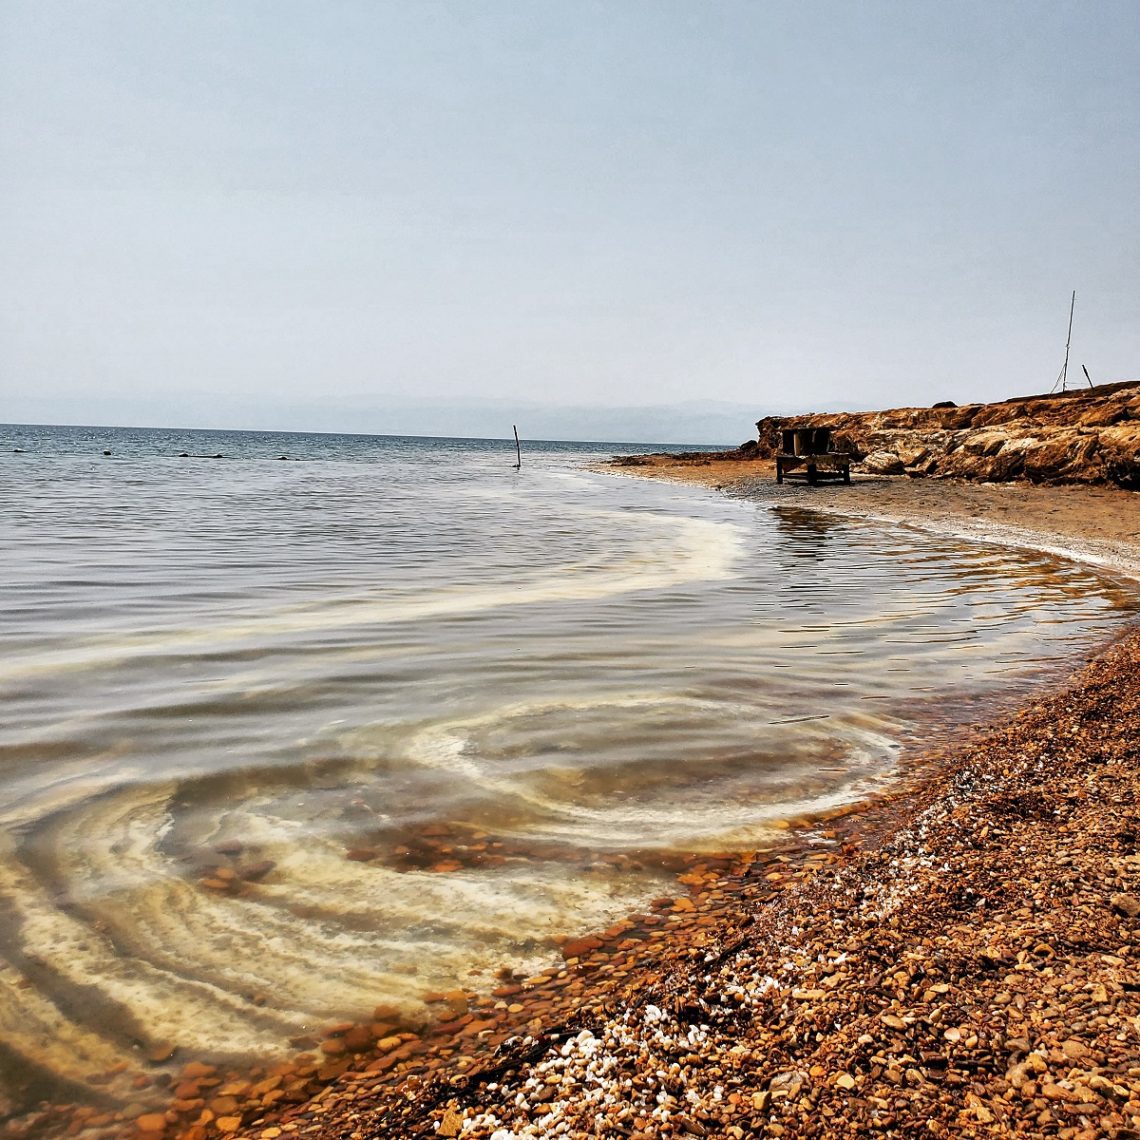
[(883, 463)]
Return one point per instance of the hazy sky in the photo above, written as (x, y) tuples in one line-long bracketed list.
[(214, 210)]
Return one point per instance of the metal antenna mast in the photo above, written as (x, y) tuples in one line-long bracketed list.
[(1064, 377)]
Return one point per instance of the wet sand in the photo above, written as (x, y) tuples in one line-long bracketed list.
[(1095, 524), (959, 957)]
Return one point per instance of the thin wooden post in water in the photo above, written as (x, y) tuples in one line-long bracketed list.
[(518, 450)]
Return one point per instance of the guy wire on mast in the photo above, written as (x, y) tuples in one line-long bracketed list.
[(1063, 378)]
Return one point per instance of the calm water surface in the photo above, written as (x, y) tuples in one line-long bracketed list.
[(442, 710)]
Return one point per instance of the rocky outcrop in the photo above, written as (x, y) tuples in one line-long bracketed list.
[(1084, 436)]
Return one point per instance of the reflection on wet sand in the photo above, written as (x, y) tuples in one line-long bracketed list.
[(801, 534)]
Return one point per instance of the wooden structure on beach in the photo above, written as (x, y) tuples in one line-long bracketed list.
[(806, 453)]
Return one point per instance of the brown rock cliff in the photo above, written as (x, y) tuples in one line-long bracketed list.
[(1089, 435)]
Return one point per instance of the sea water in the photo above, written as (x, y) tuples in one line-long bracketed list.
[(439, 710)]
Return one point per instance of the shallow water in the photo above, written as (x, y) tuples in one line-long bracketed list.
[(461, 709)]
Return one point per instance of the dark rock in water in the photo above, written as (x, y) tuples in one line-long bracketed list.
[(258, 871), (282, 457), (18, 450), (218, 456), (184, 455), (106, 453), (160, 1052), (358, 1038), (580, 947)]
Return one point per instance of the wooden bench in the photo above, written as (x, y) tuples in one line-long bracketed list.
[(806, 453)]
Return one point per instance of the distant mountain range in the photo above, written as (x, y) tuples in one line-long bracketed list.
[(711, 422)]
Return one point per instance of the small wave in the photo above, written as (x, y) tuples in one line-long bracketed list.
[(694, 550), (703, 786)]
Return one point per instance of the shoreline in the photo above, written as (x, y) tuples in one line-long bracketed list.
[(1096, 525), (961, 967), (567, 1031)]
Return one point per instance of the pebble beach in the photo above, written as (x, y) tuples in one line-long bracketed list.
[(569, 572), (958, 956), (964, 964)]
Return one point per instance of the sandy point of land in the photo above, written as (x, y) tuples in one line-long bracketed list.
[(1094, 524)]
